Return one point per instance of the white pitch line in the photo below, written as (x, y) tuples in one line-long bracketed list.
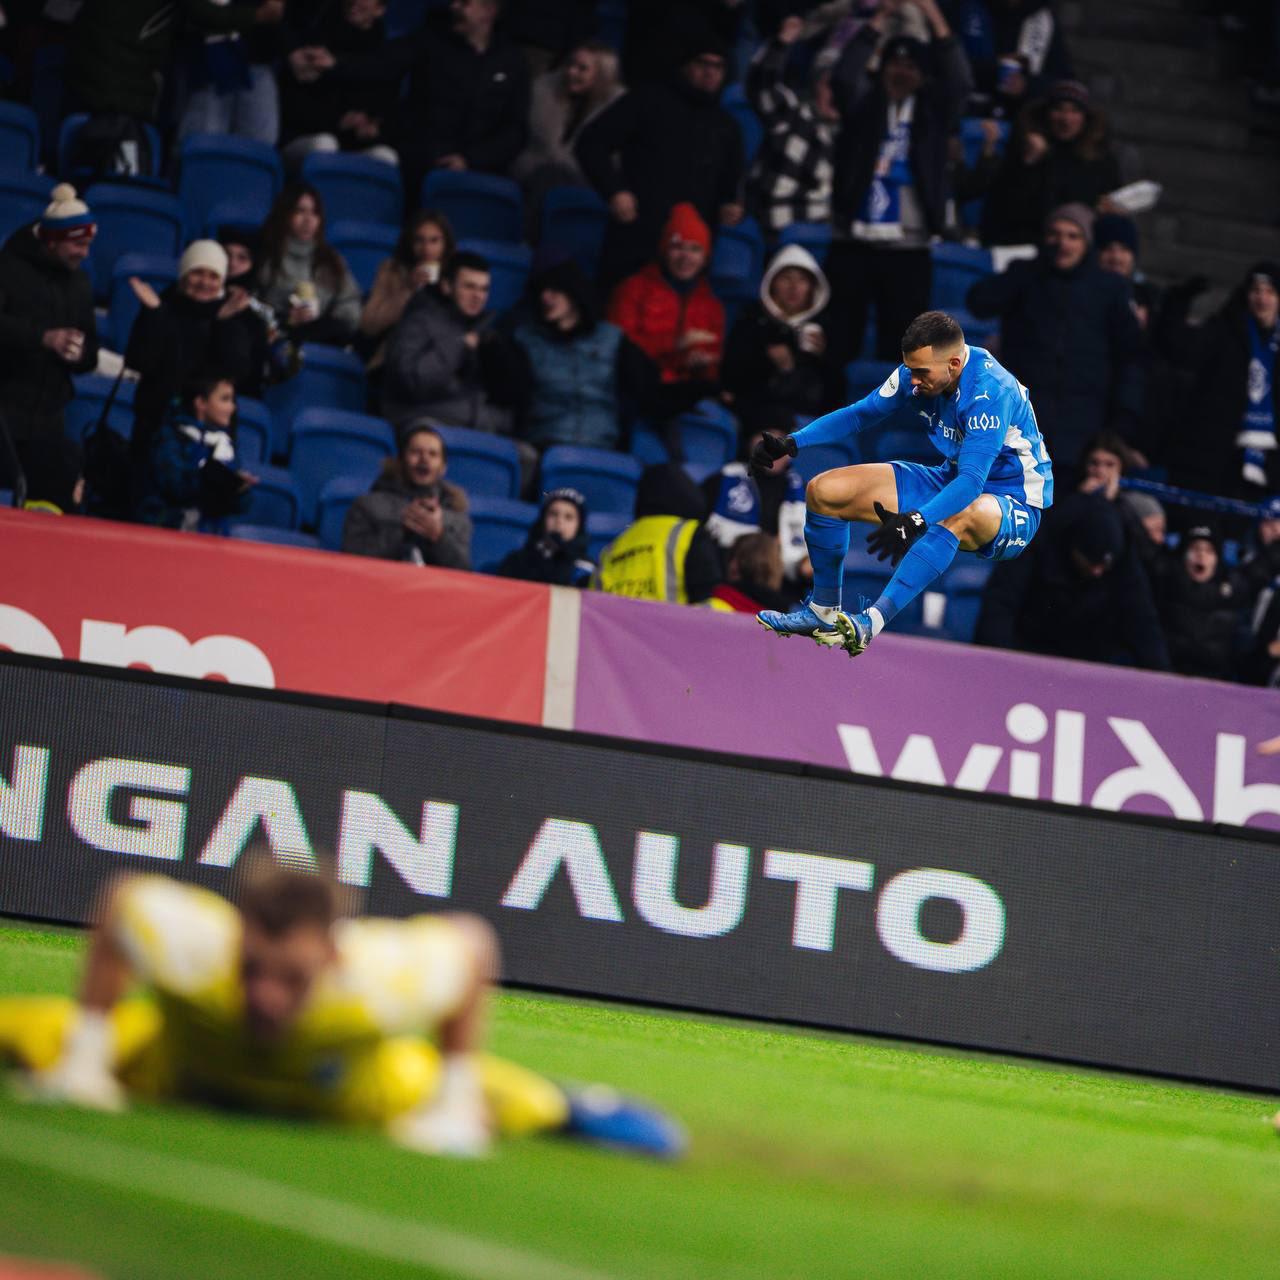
[(274, 1204)]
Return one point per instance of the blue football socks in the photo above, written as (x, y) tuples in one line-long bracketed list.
[(928, 558), (827, 538)]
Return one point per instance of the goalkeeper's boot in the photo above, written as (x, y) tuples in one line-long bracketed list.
[(854, 632), (799, 622)]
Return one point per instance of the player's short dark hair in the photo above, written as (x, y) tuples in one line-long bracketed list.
[(466, 260), (279, 899), (933, 329)]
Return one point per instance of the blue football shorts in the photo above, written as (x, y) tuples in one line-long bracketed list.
[(1018, 522)]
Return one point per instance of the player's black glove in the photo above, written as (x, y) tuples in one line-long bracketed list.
[(767, 452), (896, 533)]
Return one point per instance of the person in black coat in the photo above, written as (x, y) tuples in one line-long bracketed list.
[(1226, 443), (1078, 591), (194, 325), (889, 188), (673, 144), (1069, 334), (47, 330), (555, 551), (1201, 607)]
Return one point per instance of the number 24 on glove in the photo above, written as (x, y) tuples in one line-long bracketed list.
[(897, 531)]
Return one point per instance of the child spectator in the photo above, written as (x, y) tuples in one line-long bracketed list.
[(776, 364), (303, 278), (668, 309), (191, 480), (753, 576), (555, 551), (1200, 607), (412, 513)]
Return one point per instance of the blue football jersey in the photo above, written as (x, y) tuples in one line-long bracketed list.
[(985, 430)]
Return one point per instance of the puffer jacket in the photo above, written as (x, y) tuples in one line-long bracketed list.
[(374, 528), (654, 315)]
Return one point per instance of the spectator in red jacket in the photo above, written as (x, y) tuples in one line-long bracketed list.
[(668, 309)]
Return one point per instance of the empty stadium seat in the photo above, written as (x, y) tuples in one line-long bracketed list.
[(737, 259), (213, 166), (484, 464), (606, 479), (325, 443), (900, 444), (72, 125), (574, 220), (707, 439), (19, 137), (648, 446), (355, 187), (131, 219), (498, 526), (91, 394), (481, 206), (602, 528), (977, 330), (863, 376), (242, 215), (274, 500), (273, 534), (6, 497), (955, 268), (122, 308), (336, 497), (253, 430), (23, 198), (509, 265), (814, 236), (962, 588), (816, 459), (329, 377), (734, 101), (365, 246)]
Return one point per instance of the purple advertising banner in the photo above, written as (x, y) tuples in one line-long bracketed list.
[(934, 712)]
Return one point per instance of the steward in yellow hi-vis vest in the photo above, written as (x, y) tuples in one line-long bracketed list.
[(667, 554)]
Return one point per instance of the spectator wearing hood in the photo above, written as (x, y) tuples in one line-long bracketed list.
[(890, 192), (1201, 607), (667, 554), (791, 177), (1068, 332), (555, 552), (47, 329), (1227, 442), (661, 145), (1060, 153), (580, 375), (668, 309), (1079, 591), (412, 513), (196, 324), (776, 364)]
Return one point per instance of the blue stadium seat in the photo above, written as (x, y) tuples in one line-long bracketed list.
[(274, 500), (814, 236), (273, 534), (971, 130), (325, 443), (212, 164), (484, 464), (707, 439), (509, 265), (66, 144), (253, 430), (648, 446), (978, 331), (955, 268), (602, 528), (574, 220), (734, 101), (6, 497), (481, 206), (131, 219), (19, 137), (900, 444), (48, 92), (355, 187), (963, 585), (91, 393), (122, 308), (498, 525), (329, 377), (364, 245), (243, 215), (23, 198), (606, 479), (335, 501), (737, 259), (818, 458), (863, 376)]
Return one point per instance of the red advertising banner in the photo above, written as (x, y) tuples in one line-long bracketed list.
[(274, 617)]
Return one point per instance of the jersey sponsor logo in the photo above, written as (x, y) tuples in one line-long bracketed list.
[(984, 422), (890, 387)]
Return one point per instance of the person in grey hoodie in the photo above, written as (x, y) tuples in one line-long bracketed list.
[(412, 513), (776, 364)]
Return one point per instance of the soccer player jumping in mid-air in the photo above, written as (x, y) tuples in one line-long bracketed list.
[(987, 496)]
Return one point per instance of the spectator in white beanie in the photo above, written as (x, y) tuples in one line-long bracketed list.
[(197, 325)]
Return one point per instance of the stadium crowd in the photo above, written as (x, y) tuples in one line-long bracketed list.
[(719, 218)]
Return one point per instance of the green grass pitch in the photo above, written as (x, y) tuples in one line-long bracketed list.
[(812, 1156)]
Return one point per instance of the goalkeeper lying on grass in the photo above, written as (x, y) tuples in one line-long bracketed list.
[(279, 1005)]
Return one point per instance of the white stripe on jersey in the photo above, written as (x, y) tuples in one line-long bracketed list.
[(1032, 480)]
